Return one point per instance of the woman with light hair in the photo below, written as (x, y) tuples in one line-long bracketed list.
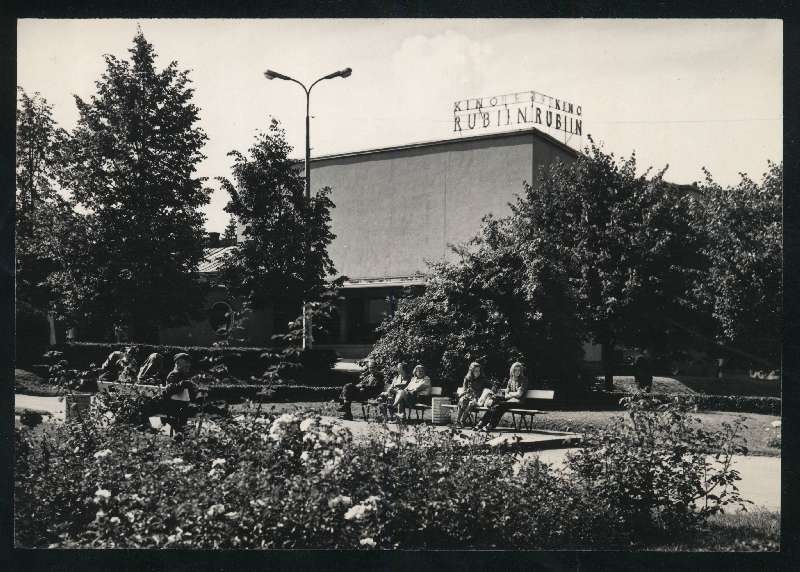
[(471, 390), (504, 399), (419, 385)]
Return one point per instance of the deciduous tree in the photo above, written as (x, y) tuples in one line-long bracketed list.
[(283, 256), (742, 289)]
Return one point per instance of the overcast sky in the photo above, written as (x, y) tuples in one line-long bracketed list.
[(688, 93)]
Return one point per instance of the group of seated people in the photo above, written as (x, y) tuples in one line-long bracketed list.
[(403, 391), (179, 391)]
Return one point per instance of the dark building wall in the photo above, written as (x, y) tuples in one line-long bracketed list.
[(201, 333), (396, 208)]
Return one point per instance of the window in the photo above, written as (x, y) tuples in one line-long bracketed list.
[(220, 316)]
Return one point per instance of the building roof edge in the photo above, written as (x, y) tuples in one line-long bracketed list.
[(422, 144)]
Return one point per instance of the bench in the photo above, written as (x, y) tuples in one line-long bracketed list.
[(421, 408), (157, 419), (418, 408), (520, 416)]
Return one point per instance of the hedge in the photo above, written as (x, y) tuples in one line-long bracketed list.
[(274, 392), (242, 362), (735, 403), (258, 392)]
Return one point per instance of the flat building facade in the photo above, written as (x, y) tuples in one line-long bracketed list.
[(397, 208)]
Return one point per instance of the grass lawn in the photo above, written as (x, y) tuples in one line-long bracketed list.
[(733, 385), (31, 384), (757, 530)]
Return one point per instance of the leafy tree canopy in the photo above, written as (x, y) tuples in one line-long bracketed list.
[(742, 288), (41, 212), (131, 164), (283, 257)]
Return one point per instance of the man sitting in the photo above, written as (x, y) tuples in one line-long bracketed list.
[(370, 386), (180, 390), (112, 367)]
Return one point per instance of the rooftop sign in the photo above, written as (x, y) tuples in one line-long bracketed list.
[(521, 108)]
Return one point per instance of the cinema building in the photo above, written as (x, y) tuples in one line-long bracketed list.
[(396, 208)]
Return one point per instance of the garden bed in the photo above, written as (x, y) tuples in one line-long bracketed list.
[(262, 480)]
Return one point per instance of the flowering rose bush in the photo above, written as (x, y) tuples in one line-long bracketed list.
[(299, 480)]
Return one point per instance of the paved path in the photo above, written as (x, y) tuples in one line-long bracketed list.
[(761, 476), (52, 405)]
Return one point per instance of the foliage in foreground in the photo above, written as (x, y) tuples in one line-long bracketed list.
[(293, 481)]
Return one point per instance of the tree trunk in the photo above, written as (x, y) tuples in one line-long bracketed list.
[(607, 359)]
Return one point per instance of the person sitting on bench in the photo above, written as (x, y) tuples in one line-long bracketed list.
[(112, 367), (153, 369), (504, 399), (419, 385), (474, 384), (387, 397), (180, 391), (371, 384)]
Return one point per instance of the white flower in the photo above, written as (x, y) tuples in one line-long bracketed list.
[(286, 418), (114, 520), (176, 461), (216, 462), (304, 456), (363, 509), (776, 423), (128, 475), (130, 515), (103, 453), (357, 512), (262, 420), (215, 509), (103, 493), (306, 424), (340, 500), (276, 431), (367, 542), (232, 515), (186, 468)]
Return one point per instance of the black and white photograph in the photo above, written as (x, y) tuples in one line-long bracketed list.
[(362, 284)]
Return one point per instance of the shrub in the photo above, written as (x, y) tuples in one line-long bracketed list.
[(298, 481), (654, 474)]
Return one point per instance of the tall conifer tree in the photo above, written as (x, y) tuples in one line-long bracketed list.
[(132, 162)]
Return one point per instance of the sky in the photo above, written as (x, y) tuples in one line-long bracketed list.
[(684, 93)]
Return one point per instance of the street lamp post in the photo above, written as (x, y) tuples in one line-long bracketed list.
[(270, 74)]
